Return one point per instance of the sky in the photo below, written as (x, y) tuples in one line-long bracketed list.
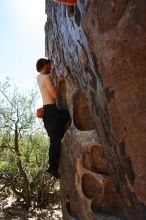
[(22, 40)]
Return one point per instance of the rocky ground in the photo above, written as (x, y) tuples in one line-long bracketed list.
[(9, 210)]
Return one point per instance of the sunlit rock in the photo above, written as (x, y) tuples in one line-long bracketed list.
[(100, 48)]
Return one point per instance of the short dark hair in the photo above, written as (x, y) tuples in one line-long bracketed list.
[(41, 63)]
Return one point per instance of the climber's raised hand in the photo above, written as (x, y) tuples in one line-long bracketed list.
[(60, 78)]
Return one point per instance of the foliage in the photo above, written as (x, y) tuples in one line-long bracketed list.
[(24, 149)]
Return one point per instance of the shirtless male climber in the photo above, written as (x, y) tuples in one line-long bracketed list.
[(54, 119)]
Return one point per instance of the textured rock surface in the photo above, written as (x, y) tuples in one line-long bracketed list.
[(101, 50)]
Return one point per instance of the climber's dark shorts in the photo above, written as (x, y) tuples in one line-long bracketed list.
[(55, 120)]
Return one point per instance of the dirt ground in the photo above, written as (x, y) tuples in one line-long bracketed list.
[(9, 210)]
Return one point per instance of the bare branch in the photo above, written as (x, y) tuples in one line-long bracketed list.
[(7, 98), (11, 183)]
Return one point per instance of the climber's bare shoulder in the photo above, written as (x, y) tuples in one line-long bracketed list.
[(43, 79)]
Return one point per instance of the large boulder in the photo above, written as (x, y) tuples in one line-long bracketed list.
[(100, 48)]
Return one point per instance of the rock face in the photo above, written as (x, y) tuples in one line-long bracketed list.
[(100, 47)]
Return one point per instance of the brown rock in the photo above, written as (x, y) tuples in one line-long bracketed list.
[(101, 49)]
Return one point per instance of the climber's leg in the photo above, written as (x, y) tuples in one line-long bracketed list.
[(53, 127), (54, 151)]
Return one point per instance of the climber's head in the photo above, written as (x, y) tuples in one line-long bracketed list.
[(43, 65)]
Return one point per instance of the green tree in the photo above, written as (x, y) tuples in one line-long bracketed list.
[(23, 147)]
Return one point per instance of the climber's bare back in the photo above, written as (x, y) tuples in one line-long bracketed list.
[(47, 89)]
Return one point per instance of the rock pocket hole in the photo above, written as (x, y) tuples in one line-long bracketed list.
[(81, 113), (109, 201), (95, 161), (90, 186)]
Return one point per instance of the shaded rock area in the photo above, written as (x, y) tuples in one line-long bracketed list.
[(100, 48)]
